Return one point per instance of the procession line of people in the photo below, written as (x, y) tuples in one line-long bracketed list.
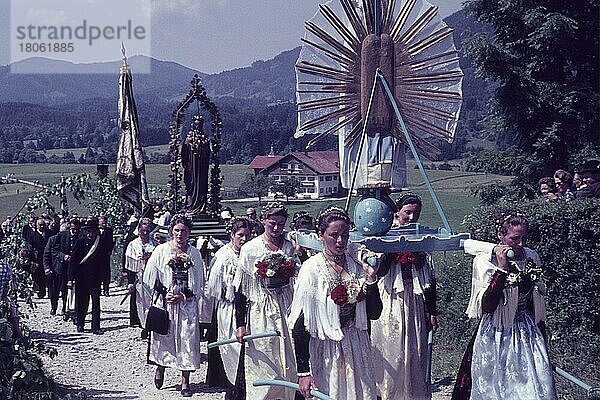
[(347, 328)]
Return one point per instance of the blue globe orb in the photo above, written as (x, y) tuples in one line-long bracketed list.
[(373, 216)]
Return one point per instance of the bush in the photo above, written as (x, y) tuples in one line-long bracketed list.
[(567, 238)]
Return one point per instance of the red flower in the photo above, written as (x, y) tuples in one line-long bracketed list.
[(339, 294), (407, 258), (261, 268), (287, 270)]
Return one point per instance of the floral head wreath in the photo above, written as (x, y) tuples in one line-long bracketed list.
[(271, 207), (408, 198), (333, 210), (181, 218), (298, 216), (236, 221), (507, 216)]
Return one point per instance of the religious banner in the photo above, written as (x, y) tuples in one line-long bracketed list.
[(131, 170)]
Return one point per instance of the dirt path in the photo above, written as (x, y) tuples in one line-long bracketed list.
[(108, 366), (113, 365)]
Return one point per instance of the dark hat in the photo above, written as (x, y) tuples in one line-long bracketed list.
[(91, 223), (590, 166)]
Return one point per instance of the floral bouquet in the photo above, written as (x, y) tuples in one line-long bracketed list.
[(276, 265), (179, 264), (408, 258), (531, 273), (347, 292)]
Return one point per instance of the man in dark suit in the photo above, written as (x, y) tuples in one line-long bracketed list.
[(37, 239), (86, 272), (590, 173), (53, 271), (108, 243), (61, 251)]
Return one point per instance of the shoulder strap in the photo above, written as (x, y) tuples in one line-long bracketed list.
[(91, 251)]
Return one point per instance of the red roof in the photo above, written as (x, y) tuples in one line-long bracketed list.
[(322, 162), (262, 162)]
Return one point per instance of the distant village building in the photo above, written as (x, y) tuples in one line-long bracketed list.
[(317, 171)]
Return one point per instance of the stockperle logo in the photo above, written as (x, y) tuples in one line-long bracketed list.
[(70, 36)]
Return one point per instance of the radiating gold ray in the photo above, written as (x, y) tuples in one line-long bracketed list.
[(430, 78), (349, 120), (418, 25), (324, 71), (368, 10), (430, 40), (425, 109), (341, 90), (422, 66), (430, 94), (327, 117), (428, 127), (401, 19), (325, 102), (416, 63), (336, 57), (330, 40), (387, 17), (339, 26), (354, 19), (321, 83)]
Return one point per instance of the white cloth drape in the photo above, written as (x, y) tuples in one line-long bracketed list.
[(399, 336), (220, 287), (135, 262)]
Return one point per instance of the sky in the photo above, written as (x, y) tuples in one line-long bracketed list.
[(207, 35)]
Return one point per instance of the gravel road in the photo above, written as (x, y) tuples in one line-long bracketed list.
[(113, 365)]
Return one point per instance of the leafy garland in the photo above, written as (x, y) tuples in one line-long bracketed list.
[(174, 198)]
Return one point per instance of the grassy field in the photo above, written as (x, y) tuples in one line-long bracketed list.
[(452, 188)]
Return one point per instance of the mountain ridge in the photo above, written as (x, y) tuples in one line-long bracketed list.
[(257, 104)]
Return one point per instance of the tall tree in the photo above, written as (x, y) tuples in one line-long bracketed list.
[(544, 57), (288, 186), (256, 185)]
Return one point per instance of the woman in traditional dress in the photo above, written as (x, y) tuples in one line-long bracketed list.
[(223, 361), (301, 221), (175, 270), (409, 312), (507, 357), (261, 305), (136, 256), (335, 296)]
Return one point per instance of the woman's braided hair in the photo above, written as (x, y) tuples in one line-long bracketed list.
[(507, 219), (330, 214), (180, 219), (237, 223), (408, 198), (301, 218), (274, 208)]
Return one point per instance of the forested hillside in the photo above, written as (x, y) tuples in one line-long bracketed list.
[(43, 112)]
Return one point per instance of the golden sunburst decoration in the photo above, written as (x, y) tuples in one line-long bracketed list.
[(347, 40)]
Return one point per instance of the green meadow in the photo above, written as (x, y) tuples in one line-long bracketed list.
[(453, 188)]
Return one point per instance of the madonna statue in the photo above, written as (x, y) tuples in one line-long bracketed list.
[(195, 155)]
